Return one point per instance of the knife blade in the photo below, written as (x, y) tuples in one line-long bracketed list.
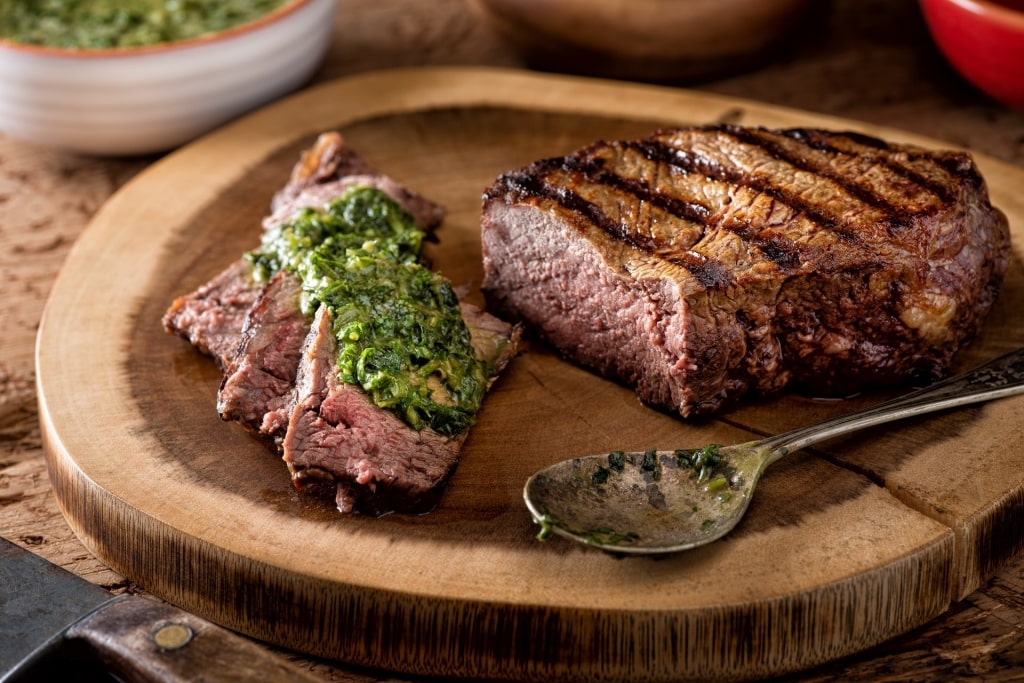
[(48, 613)]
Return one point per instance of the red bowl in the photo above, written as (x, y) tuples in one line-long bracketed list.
[(984, 41)]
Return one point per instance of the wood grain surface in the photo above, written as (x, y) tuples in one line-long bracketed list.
[(843, 548), (868, 60)]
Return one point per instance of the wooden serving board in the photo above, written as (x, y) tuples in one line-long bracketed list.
[(843, 547)]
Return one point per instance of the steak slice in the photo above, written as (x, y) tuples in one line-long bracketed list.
[(328, 168), (256, 332), (211, 318), (702, 264), (257, 385), (281, 370), (378, 463)]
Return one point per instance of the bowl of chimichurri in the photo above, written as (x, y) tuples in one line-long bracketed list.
[(128, 77)]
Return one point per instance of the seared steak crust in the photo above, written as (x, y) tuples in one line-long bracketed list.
[(701, 264), (212, 317)]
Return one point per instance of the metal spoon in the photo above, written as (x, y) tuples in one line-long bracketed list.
[(666, 501)]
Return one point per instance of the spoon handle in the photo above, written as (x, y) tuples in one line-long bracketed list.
[(1003, 376)]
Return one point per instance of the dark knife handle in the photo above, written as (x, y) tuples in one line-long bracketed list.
[(142, 640)]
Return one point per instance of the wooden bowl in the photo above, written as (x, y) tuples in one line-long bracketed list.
[(653, 40)]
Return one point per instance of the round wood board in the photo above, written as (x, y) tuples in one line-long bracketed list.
[(843, 547)]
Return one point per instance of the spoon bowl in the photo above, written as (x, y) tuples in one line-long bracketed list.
[(638, 502), (666, 501)]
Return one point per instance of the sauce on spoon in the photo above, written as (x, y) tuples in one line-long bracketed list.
[(656, 502)]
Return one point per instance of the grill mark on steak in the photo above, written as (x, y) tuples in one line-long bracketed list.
[(533, 184), (957, 164), (944, 191), (895, 211), (892, 212), (775, 248), (709, 273), (687, 161), (595, 170)]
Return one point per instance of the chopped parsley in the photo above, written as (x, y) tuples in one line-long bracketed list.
[(703, 461), (93, 24), (399, 327)]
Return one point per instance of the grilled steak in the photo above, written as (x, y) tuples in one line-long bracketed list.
[(324, 170), (212, 317), (256, 332), (702, 264), (258, 381), (281, 366), (377, 462)]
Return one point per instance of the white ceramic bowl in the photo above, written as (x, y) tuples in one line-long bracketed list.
[(132, 101)]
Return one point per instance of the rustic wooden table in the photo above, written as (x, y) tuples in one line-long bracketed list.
[(870, 60)]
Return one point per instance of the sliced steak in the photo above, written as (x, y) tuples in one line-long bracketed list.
[(700, 264), (378, 463), (281, 366), (256, 335), (329, 159), (211, 318), (327, 169), (257, 385)]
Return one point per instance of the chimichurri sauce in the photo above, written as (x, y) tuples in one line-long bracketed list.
[(93, 24), (400, 332)]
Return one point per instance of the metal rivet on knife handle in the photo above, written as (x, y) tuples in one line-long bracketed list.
[(172, 636), (138, 639)]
